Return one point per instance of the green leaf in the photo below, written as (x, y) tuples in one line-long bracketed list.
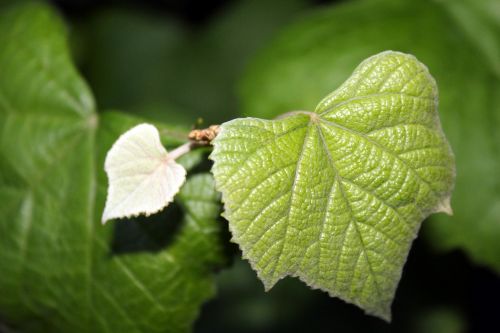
[(439, 320), (336, 196), (59, 271), (480, 22), (171, 63), (312, 56)]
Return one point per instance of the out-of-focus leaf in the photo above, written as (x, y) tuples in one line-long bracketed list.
[(129, 58), (215, 56), (315, 55), (58, 270), (480, 20), (439, 320), (172, 73)]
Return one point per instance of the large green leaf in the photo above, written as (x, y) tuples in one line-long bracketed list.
[(58, 270), (336, 196), (311, 57)]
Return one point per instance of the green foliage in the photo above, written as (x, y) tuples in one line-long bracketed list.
[(173, 73), (336, 196), (62, 271), (439, 320), (59, 271), (311, 57), (480, 22)]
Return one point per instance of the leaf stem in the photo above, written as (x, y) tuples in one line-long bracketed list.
[(181, 150)]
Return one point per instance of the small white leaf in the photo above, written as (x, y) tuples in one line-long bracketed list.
[(143, 177)]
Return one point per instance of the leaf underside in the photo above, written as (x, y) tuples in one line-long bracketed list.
[(143, 179), (336, 196)]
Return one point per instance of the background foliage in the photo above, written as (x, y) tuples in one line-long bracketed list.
[(174, 61)]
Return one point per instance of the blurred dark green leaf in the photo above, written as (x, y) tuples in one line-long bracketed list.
[(312, 57), (156, 66), (480, 21), (439, 320), (58, 272), (129, 58)]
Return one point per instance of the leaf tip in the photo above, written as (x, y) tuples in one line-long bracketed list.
[(382, 311), (445, 206), (385, 316), (105, 218), (268, 284)]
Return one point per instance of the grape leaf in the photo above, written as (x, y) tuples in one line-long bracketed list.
[(327, 44), (336, 196), (59, 273)]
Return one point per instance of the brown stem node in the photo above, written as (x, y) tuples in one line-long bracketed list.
[(204, 136)]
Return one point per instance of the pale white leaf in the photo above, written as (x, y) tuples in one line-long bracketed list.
[(143, 177)]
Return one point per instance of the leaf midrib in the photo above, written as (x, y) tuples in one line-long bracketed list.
[(353, 220)]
